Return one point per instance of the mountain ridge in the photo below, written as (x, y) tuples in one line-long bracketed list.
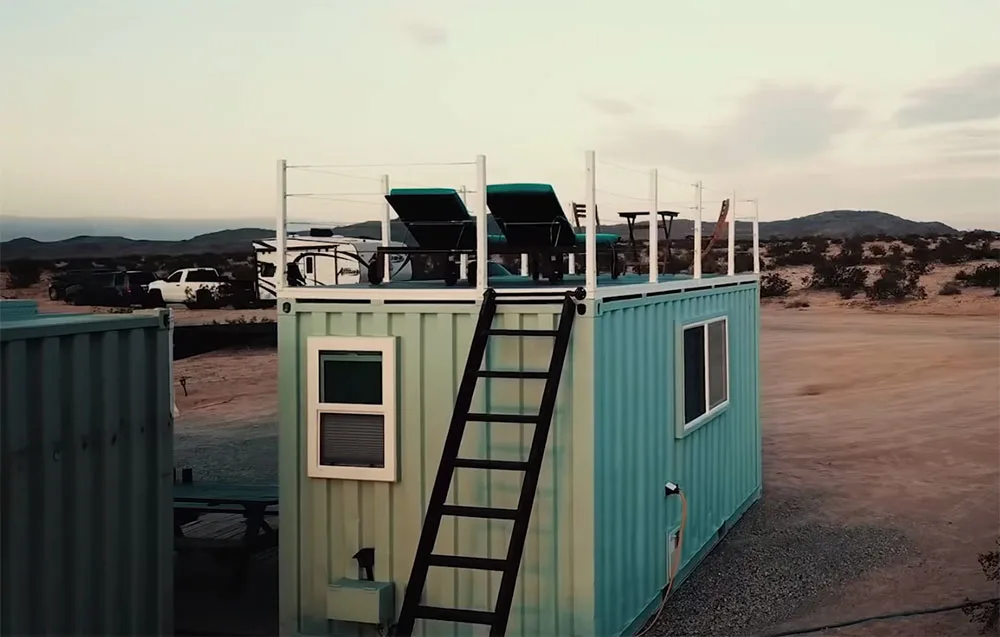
[(830, 224)]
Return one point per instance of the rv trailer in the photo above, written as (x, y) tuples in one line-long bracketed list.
[(322, 261)]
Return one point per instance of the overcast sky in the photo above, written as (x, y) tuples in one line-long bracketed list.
[(181, 108)]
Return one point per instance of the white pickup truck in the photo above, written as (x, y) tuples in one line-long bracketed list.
[(191, 286)]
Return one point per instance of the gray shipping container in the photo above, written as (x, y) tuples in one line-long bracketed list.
[(86, 455)]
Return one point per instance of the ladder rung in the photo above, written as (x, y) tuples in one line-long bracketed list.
[(459, 615), (505, 332), (462, 561), (495, 373), (483, 463), (514, 418), (486, 513)]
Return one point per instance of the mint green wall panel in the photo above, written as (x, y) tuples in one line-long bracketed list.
[(718, 465), (324, 522), (86, 446)]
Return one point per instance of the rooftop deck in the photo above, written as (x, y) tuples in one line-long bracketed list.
[(435, 290)]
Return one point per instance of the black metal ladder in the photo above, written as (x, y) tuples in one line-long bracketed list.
[(425, 557)]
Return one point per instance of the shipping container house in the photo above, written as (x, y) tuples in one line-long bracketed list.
[(85, 473), (658, 387)]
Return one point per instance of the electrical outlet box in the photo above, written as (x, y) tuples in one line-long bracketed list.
[(673, 539), (361, 601)]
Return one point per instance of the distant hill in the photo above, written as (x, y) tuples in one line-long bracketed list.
[(832, 224)]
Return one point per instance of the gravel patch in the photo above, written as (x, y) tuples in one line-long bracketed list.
[(779, 561), (246, 454)]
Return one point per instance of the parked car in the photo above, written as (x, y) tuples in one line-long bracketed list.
[(114, 289), (62, 280)]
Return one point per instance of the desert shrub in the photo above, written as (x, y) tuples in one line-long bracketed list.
[(847, 281), (986, 275), (953, 250), (919, 268), (774, 285), (987, 615), (743, 262), (950, 288), (852, 252), (798, 257), (796, 303), (895, 284), (877, 250), (23, 273)]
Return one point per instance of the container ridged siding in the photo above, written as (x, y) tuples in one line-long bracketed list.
[(85, 476), (637, 451), (334, 518)]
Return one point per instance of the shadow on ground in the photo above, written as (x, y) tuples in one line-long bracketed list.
[(775, 565), (207, 603)]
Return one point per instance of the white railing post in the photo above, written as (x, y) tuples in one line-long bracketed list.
[(463, 259), (571, 266), (524, 264), (731, 228), (654, 227), (482, 230), (280, 225), (591, 228), (756, 239), (697, 231), (386, 229)]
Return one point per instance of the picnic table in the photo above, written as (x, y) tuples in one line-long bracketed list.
[(253, 502), (666, 222)]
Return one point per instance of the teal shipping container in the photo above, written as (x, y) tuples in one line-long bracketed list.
[(85, 473), (659, 388)]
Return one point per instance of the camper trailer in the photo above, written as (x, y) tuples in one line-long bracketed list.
[(316, 259)]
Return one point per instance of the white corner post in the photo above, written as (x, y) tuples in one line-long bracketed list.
[(654, 226), (463, 259), (756, 239), (386, 229), (524, 264), (731, 228), (697, 231), (280, 226), (591, 228), (482, 231)]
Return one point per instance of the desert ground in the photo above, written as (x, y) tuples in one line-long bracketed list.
[(881, 467)]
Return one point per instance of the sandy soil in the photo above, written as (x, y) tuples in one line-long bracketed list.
[(874, 418), (895, 420)]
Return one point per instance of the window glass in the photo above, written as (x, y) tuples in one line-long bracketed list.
[(694, 372), (268, 270), (175, 277), (351, 378), (718, 391)]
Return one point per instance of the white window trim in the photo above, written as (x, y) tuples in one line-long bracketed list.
[(386, 346), (711, 411)]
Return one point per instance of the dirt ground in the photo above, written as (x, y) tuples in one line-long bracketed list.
[(887, 417)]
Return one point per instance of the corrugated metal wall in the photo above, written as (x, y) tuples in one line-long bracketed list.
[(717, 465), (335, 518), (85, 476)]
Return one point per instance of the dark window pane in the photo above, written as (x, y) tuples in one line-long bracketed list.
[(351, 378), (694, 373)]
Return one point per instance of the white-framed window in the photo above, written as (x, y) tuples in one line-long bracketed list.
[(351, 424), (704, 371)]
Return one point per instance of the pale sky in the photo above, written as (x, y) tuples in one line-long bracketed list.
[(181, 108)]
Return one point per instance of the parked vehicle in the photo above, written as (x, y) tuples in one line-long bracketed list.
[(112, 289), (202, 288), (322, 258), (190, 286), (62, 280)]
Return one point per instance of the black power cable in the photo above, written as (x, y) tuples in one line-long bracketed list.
[(905, 613)]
